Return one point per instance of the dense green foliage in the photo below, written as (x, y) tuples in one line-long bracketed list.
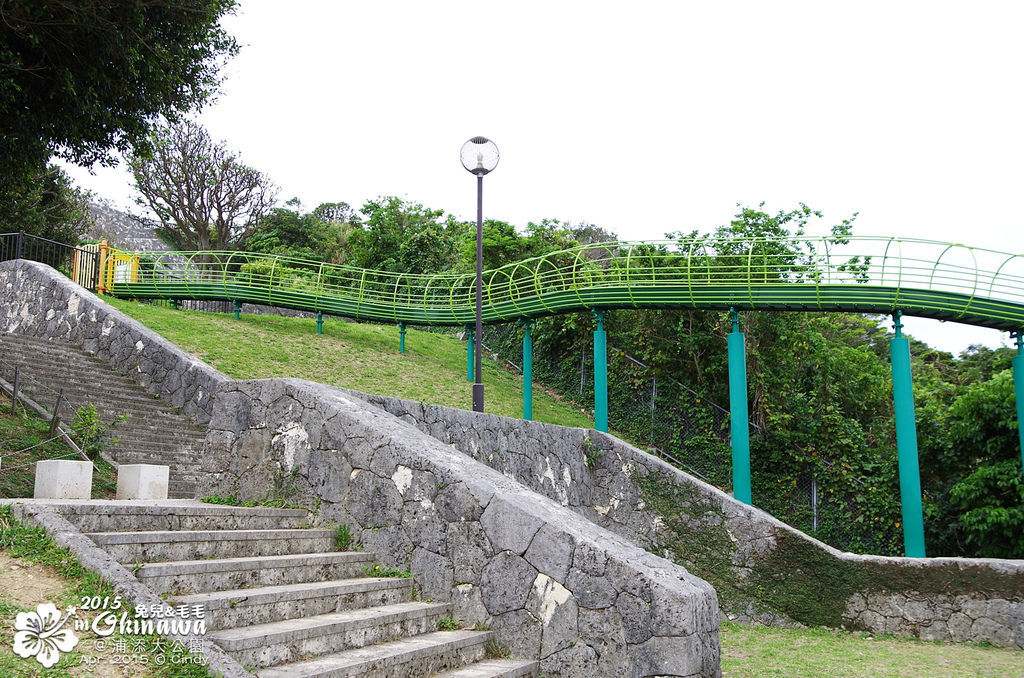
[(320, 235), (45, 204), (400, 236), (81, 79)]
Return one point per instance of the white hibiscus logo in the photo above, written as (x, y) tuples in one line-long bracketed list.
[(39, 634)]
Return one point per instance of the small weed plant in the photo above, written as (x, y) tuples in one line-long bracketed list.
[(448, 624), (92, 434), (378, 570), (342, 538)]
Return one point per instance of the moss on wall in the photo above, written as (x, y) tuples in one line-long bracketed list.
[(796, 578)]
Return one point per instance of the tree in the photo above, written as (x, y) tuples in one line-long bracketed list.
[(336, 213), (405, 237), (204, 197), (79, 78), (47, 205), (288, 231)]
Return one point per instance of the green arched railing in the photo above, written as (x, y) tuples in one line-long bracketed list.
[(858, 274)]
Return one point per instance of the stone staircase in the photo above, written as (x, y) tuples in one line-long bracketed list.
[(153, 433), (281, 601)]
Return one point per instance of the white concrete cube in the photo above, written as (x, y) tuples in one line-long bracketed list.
[(63, 479), (142, 481)]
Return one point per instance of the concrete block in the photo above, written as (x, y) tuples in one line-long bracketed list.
[(142, 481), (63, 479)]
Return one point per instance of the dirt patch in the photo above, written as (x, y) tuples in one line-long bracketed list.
[(25, 584)]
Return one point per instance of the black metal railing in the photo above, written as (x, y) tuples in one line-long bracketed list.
[(81, 264)]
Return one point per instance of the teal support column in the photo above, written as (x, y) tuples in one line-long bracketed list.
[(1018, 389), (319, 322), (238, 308), (600, 374), (527, 370), (176, 303), (739, 417), (469, 353), (401, 338), (906, 442)]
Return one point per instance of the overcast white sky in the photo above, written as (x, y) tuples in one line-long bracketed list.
[(642, 117)]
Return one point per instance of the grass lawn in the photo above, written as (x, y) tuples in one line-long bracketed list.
[(359, 356), (761, 652), (23, 437), (33, 571)]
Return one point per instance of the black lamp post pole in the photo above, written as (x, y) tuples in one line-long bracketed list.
[(478, 385)]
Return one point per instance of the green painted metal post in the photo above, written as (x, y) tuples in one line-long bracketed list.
[(238, 308), (177, 304), (906, 443), (401, 338), (527, 370), (319, 322), (469, 353), (738, 414), (600, 374), (1018, 389)]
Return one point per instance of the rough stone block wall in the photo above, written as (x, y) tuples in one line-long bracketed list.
[(37, 301), (552, 584), (763, 569)]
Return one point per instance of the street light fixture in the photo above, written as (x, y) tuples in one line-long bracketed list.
[(479, 157)]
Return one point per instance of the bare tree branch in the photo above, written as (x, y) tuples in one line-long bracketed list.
[(199, 190)]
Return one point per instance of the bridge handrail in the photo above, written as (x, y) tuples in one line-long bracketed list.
[(932, 278)]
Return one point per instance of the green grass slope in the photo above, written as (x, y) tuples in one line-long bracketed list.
[(24, 441), (359, 356)]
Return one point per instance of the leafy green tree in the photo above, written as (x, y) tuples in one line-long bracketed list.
[(404, 237), (289, 231), (203, 195), (501, 245), (991, 505), (336, 213), (79, 79), (48, 206)]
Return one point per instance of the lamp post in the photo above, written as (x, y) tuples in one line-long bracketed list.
[(479, 157)]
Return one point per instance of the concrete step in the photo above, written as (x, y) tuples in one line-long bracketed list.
[(494, 668), (112, 401), (188, 445), (285, 641), (198, 576), (134, 515), (160, 425), (148, 547), (34, 348), (182, 460), (415, 657), (71, 377), (242, 607)]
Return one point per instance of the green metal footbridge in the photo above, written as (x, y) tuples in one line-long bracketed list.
[(877, 275)]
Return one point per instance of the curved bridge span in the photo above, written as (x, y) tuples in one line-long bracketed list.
[(895, 276), (856, 274)]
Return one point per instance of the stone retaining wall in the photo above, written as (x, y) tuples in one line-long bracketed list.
[(37, 301), (553, 585), (763, 569)]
